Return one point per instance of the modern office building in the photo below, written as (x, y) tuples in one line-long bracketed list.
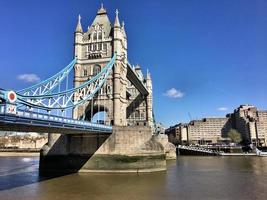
[(208, 130), (177, 134), (250, 122)]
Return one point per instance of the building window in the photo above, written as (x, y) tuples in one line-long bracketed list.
[(105, 46), (95, 36), (100, 36), (94, 47), (137, 114), (96, 70), (85, 72), (99, 46)]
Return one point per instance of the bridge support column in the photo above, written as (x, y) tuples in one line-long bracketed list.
[(127, 149), (67, 153)]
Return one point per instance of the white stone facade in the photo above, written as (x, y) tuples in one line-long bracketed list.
[(120, 100)]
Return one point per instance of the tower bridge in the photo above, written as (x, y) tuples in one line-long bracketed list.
[(104, 82), (126, 87)]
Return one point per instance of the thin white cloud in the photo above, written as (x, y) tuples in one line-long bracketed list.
[(222, 109), (174, 93), (29, 78)]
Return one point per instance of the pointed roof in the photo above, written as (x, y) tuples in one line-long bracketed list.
[(101, 19), (117, 21), (102, 10), (137, 67), (148, 75), (79, 25)]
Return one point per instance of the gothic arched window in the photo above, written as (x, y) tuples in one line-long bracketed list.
[(99, 46), (85, 72), (94, 47), (105, 46), (95, 36), (100, 35), (137, 114), (96, 70)]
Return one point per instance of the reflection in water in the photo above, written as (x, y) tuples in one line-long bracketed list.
[(186, 178), (27, 159)]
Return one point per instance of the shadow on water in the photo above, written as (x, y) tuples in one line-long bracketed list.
[(69, 153), (22, 171), (21, 179), (15, 172)]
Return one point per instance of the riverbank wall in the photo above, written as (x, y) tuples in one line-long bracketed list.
[(19, 154)]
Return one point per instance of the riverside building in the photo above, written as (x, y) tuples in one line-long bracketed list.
[(208, 130), (250, 122), (178, 134)]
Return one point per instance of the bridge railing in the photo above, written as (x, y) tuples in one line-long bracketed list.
[(54, 118), (199, 149)]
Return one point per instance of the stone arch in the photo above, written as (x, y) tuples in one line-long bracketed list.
[(103, 111)]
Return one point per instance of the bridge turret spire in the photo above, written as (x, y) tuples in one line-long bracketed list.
[(123, 29), (79, 25), (102, 10), (117, 21), (78, 39), (148, 76)]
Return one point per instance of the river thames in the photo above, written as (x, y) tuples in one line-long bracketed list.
[(186, 178)]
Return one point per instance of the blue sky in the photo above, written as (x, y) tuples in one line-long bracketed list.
[(206, 57)]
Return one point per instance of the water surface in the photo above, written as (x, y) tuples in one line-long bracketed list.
[(186, 178)]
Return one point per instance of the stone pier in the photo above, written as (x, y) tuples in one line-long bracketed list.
[(127, 149), (169, 148)]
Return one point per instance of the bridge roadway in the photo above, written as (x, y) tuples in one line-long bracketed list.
[(25, 121)]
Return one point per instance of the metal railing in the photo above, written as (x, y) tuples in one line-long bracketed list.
[(54, 118), (199, 149)]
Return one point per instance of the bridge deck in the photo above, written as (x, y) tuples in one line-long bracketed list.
[(24, 121)]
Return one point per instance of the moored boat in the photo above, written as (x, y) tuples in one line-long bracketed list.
[(261, 153)]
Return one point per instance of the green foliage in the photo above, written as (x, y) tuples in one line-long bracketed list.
[(3, 141), (176, 141), (234, 136), (15, 139)]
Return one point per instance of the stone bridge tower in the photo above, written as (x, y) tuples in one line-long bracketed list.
[(119, 99), (126, 98)]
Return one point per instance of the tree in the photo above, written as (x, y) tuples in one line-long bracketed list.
[(176, 141), (15, 138), (234, 136), (3, 141)]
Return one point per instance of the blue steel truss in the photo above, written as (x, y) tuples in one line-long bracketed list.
[(69, 98), (43, 96), (48, 85)]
